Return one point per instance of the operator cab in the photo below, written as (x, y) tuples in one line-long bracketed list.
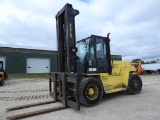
[(94, 55)]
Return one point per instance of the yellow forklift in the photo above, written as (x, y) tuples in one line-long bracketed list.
[(86, 71), (3, 74)]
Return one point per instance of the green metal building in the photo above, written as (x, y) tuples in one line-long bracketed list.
[(20, 60)]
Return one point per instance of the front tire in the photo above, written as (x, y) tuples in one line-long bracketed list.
[(134, 84), (91, 91), (5, 76)]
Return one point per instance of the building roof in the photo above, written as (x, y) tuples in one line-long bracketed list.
[(26, 50)]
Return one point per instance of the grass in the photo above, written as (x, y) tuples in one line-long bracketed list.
[(29, 75)]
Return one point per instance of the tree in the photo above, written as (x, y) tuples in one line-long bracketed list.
[(138, 60)]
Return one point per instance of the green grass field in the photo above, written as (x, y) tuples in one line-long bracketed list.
[(31, 75)]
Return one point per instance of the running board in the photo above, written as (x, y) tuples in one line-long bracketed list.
[(38, 112)]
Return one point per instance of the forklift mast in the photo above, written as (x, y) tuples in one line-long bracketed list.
[(65, 24)]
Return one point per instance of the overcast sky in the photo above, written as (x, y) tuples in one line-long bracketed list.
[(134, 24)]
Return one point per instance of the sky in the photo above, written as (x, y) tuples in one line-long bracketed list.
[(134, 25)]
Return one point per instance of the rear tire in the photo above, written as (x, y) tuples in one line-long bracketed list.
[(134, 85), (2, 82), (5, 76), (91, 91)]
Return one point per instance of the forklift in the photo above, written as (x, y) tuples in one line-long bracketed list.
[(86, 71), (139, 68), (3, 74)]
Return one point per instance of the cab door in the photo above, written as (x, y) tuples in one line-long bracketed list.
[(101, 55)]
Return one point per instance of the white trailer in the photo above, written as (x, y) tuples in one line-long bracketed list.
[(153, 67)]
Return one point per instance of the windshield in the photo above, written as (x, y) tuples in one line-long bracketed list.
[(83, 50)]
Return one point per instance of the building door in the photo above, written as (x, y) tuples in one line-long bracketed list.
[(38, 65)]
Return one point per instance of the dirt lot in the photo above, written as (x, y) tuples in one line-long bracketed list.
[(117, 106)]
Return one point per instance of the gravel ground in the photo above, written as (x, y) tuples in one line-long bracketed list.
[(116, 106)]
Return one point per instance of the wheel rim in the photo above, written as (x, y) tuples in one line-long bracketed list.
[(92, 92), (136, 84)]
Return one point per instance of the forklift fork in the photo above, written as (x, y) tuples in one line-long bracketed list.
[(64, 88)]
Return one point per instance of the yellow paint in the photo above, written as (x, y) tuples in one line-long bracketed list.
[(118, 80), (92, 92), (1, 74), (70, 29)]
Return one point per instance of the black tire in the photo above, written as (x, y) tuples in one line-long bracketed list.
[(6, 77), (2, 82), (91, 91), (134, 85), (148, 71)]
